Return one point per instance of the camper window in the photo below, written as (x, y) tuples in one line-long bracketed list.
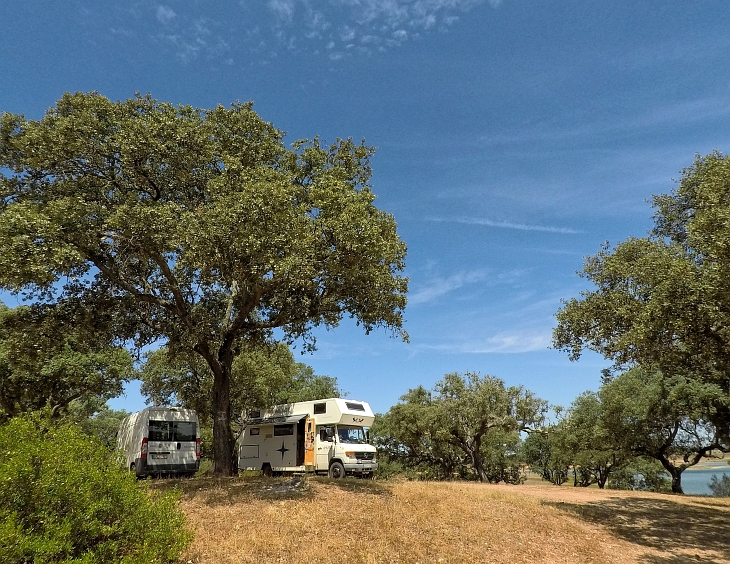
[(354, 406), (320, 408), (280, 430)]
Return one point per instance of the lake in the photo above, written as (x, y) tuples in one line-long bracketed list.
[(695, 480)]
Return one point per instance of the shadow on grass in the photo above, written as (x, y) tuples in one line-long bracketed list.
[(223, 491), (684, 532), (220, 491)]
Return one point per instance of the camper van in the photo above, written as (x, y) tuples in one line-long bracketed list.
[(327, 436), (160, 441)]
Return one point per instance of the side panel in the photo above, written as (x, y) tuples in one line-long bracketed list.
[(275, 445)]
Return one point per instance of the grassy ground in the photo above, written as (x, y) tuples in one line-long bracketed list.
[(317, 520)]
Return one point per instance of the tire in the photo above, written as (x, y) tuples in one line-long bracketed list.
[(133, 469), (337, 471), (266, 470)]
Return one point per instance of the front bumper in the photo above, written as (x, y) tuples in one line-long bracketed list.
[(367, 467)]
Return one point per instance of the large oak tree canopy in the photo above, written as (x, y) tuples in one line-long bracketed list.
[(195, 226), (662, 302)]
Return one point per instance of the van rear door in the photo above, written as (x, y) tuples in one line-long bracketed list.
[(171, 444)]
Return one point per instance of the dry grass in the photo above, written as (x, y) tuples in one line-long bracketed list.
[(257, 520)]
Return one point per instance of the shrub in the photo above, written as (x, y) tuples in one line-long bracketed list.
[(64, 498), (720, 487)]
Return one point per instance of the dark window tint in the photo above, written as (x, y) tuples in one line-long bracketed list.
[(183, 431), (255, 431), (280, 430), (355, 406), (254, 414), (172, 431), (320, 408), (160, 431)]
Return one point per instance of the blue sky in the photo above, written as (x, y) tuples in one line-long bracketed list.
[(514, 138)]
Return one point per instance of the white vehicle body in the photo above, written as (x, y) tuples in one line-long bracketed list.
[(325, 436), (160, 440)]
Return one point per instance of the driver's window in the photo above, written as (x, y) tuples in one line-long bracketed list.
[(326, 433)]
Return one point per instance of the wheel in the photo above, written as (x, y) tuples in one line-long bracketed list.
[(266, 470), (337, 471), (133, 469)]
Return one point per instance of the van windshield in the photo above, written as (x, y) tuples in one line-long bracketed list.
[(351, 435)]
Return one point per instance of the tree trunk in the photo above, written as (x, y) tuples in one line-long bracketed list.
[(222, 440), (677, 481), (674, 472), (479, 466)]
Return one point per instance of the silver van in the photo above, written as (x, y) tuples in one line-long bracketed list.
[(159, 441)]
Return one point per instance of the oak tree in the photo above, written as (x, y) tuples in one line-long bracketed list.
[(198, 229)]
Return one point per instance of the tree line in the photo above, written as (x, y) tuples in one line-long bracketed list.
[(138, 224)]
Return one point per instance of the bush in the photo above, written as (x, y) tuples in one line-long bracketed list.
[(642, 475), (720, 487), (64, 498)]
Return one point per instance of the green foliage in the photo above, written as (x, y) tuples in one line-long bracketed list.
[(97, 419), (641, 474), (55, 355), (501, 457), (667, 419), (65, 499), (720, 487), (195, 228), (661, 302), (467, 424), (262, 375), (588, 440), (541, 452)]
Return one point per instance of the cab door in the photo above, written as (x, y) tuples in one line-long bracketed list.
[(324, 447)]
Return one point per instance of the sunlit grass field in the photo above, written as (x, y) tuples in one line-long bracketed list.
[(318, 520)]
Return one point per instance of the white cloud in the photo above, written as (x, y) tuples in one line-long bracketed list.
[(165, 14), (437, 287), (283, 9), (504, 342), (509, 225), (379, 22)]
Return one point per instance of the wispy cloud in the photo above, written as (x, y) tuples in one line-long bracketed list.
[(682, 113), (336, 29), (505, 342), (440, 286), (508, 225), (365, 25), (165, 14)]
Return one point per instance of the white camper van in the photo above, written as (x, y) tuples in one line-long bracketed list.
[(160, 440), (324, 436)]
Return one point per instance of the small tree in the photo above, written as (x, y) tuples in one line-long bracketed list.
[(64, 498), (460, 423), (720, 487), (667, 419), (541, 450), (57, 355)]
